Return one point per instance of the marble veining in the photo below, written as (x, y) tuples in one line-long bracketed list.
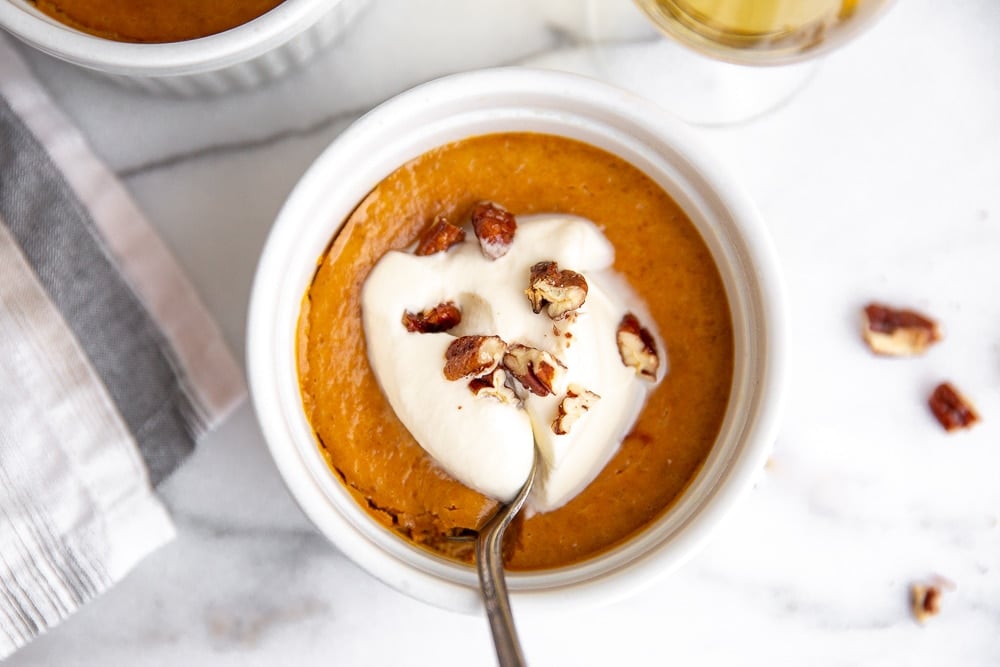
[(877, 181), (561, 38), (336, 122)]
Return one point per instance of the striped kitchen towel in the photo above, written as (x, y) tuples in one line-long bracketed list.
[(110, 368)]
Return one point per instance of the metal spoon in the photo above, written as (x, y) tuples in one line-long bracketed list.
[(493, 585)]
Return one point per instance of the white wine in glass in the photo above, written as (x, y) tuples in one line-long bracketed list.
[(761, 32)]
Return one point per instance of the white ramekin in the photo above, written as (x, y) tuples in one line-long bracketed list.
[(243, 57), (507, 100)]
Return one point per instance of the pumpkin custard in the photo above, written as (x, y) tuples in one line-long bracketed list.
[(542, 182), (154, 21)]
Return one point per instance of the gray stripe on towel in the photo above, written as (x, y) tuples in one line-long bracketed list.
[(113, 328)]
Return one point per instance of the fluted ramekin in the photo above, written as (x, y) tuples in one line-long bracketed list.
[(240, 58)]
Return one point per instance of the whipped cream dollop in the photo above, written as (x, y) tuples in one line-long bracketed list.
[(484, 442)]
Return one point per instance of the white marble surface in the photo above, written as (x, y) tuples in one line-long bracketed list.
[(881, 180)]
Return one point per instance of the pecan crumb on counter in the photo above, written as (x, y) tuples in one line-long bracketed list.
[(925, 597), (926, 601), (898, 333), (951, 408)]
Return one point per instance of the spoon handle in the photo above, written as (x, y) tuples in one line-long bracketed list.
[(493, 584), (494, 588)]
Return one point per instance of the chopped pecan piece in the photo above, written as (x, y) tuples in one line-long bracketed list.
[(471, 356), (494, 226), (951, 408), (926, 601), (441, 317), (559, 292), (577, 402), (896, 333), (637, 347), (440, 236), (494, 385), (535, 369)]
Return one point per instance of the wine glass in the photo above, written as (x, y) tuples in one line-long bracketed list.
[(761, 32), (726, 61)]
